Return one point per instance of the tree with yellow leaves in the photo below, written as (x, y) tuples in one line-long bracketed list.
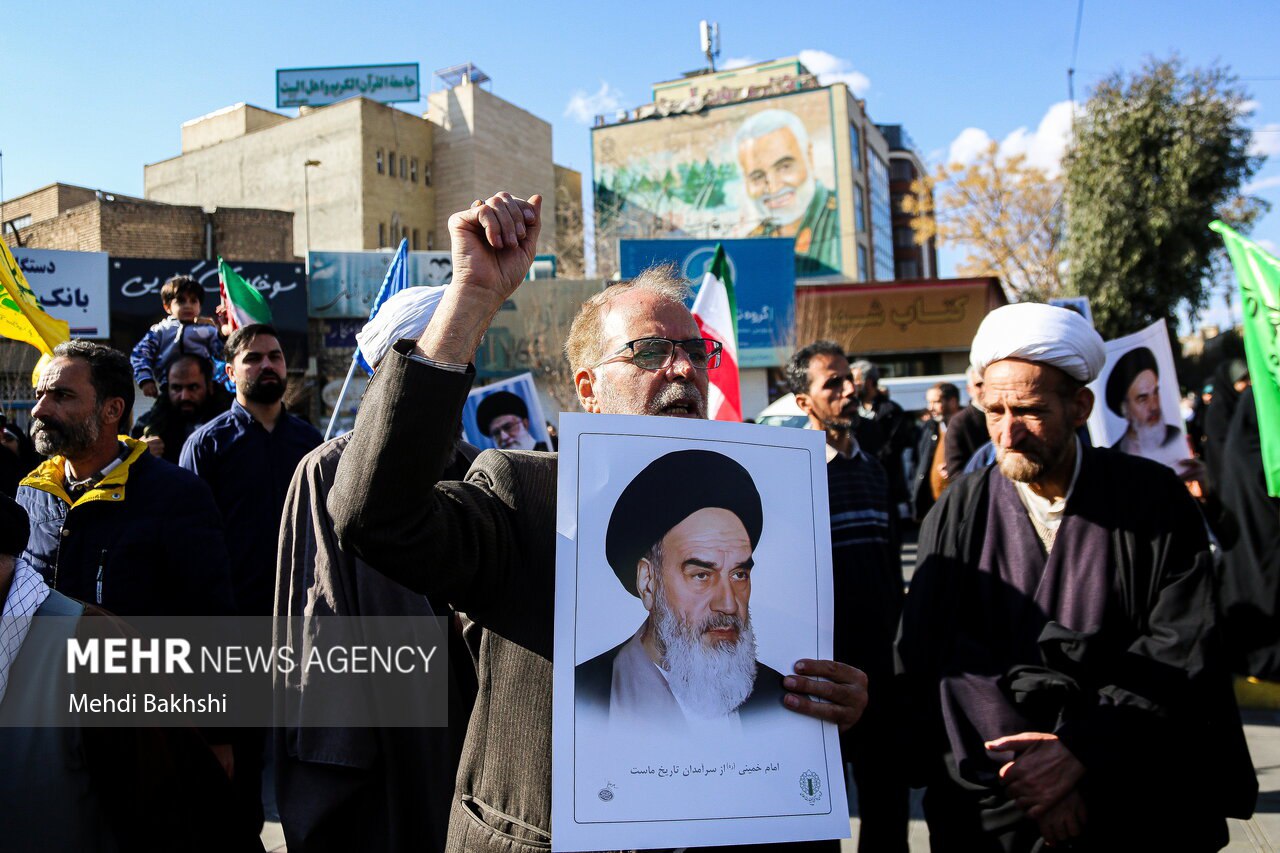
[(1007, 214)]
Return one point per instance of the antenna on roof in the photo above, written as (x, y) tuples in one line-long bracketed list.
[(710, 33)]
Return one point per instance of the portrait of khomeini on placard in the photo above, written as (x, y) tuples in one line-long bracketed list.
[(681, 538)]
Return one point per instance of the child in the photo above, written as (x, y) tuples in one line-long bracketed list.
[(183, 331)]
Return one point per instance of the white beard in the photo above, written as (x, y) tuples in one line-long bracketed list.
[(708, 682), (526, 441), (1148, 439), (792, 212)]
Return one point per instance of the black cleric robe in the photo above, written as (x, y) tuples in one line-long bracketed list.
[(1109, 641)]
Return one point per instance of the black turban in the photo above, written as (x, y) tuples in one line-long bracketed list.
[(14, 527), (496, 405), (1127, 368), (669, 490)]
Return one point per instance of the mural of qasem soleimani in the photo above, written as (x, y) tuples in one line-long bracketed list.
[(776, 158), (681, 539)]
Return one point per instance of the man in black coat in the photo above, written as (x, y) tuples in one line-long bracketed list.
[(1059, 641)]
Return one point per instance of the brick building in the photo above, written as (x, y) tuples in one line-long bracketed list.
[(62, 216)]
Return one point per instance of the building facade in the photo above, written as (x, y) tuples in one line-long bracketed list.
[(361, 175), (911, 260), (764, 150)]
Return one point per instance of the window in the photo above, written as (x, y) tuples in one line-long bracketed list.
[(903, 238), (908, 269), (862, 263), (19, 222), (895, 203), (404, 233), (382, 235), (855, 147), (881, 217), (431, 240), (426, 174), (414, 244), (859, 209), (403, 166), (901, 170), (377, 158), (413, 170), (391, 166)]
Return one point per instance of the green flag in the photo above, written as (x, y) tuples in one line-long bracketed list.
[(245, 305), (1258, 273)]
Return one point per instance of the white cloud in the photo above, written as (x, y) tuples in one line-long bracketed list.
[(1265, 141), (832, 69), (737, 62), (1043, 147), (1247, 107), (583, 108), (1262, 184)]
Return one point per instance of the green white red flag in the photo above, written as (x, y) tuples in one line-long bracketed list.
[(716, 311), (245, 305)]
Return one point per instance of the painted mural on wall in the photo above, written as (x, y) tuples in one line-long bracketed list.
[(759, 169)]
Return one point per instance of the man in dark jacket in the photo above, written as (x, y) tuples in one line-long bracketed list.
[(931, 474), (866, 568), (884, 431), (188, 399), (111, 524), (967, 431)]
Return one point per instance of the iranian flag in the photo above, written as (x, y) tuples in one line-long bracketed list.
[(716, 311), (245, 305)]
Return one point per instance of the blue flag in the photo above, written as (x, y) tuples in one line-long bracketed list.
[(397, 279)]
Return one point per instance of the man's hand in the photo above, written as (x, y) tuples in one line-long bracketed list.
[(224, 320), (155, 444), (149, 388), (494, 242), (1042, 773), (1064, 821), (845, 691)]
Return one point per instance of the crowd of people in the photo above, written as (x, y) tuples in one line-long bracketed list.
[(1058, 673)]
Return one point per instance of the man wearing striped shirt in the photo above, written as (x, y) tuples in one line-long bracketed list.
[(868, 586)]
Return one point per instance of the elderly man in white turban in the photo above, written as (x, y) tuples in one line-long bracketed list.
[(361, 788), (1058, 641)]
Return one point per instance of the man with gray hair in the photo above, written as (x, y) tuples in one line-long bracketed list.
[(776, 158), (487, 545), (967, 430), (1058, 642)]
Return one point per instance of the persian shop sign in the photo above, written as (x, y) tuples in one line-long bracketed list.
[(315, 87)]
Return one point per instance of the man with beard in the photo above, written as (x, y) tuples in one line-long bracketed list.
[(187, 401), (776, 158), (687, 555), (504, 418), (487, 545), (1133, 393), (247, 455), (1059, 639), (100, 501), (867, 575)]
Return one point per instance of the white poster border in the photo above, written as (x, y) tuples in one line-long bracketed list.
[(829, 816)]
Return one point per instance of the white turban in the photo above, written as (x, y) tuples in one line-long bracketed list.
[(1045, 334), (404, 315)]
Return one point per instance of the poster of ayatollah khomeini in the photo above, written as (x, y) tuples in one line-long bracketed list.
[(693, 569)]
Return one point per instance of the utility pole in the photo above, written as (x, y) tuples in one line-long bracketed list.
[(306, 203)]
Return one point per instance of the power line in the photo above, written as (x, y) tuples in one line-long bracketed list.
[(1075, 50)]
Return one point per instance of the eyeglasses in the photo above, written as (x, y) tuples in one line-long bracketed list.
[(659, 353)]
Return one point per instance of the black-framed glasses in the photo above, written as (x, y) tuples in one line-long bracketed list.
[(658, 353)]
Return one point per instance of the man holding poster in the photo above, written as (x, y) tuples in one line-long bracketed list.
[(488, 545)]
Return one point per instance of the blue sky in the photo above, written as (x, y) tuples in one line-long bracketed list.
[(93, 91)]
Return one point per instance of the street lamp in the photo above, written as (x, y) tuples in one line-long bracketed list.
[(306, 203)]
